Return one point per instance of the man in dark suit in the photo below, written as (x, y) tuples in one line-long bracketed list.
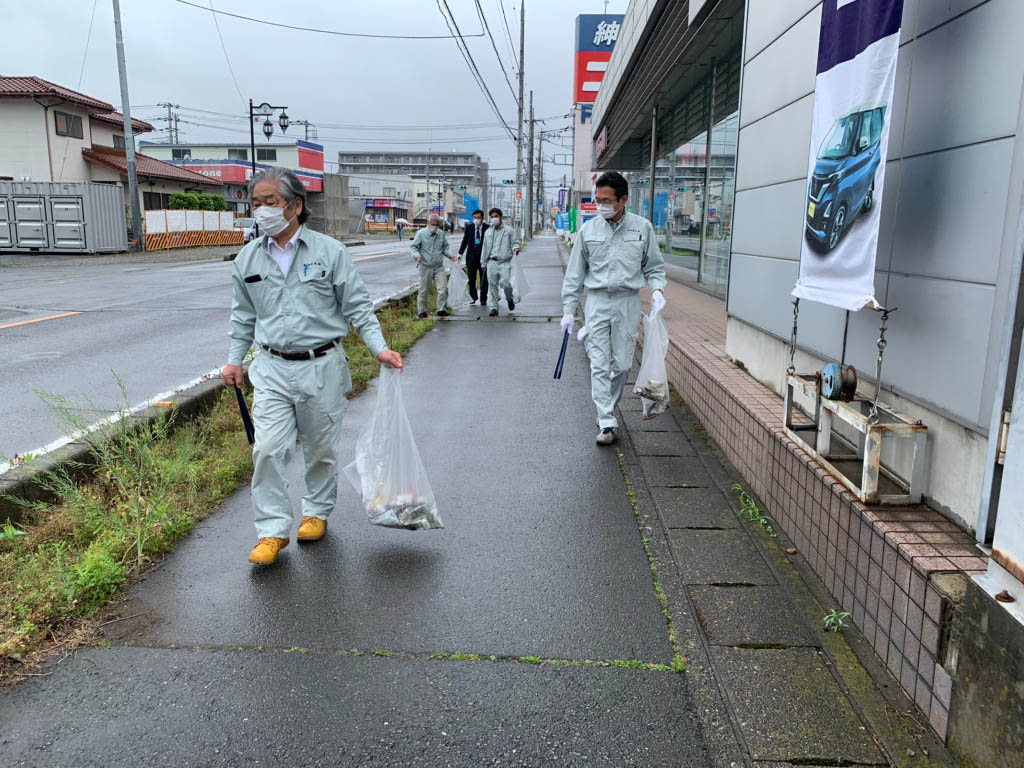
[(473, 242)]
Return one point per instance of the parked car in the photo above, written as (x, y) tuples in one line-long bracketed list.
[(249, 225), (843, 182)]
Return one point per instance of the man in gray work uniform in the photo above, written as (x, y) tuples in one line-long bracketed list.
[(295, 294)]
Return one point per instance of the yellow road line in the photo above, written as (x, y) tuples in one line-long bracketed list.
[(38, 320)]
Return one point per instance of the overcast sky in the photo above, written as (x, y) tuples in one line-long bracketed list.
[(174, 54)]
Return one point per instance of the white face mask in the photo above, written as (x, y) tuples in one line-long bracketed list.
[(271, 220), (432, 229), (495, 221), (478, 222), (606, 210)]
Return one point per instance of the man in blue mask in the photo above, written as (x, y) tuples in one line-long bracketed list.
[(296, 294)]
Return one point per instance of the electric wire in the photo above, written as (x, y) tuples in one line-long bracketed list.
[(464, 50), (508, 33), (81, 73), (224, 48), (327, 31), (497, 55)]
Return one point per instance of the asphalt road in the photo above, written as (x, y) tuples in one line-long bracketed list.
[(156, 325), (219, 663)]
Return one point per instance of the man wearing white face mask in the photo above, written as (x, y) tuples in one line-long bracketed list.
[(296, 293), (430, 248), (613, 254), (496, 257)]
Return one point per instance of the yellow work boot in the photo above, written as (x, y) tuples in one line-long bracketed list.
[(312, 529), (265, 553)]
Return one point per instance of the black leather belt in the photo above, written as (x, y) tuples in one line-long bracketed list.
[(318, 352)]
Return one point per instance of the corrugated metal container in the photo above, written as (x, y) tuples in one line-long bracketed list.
[(62, 217)]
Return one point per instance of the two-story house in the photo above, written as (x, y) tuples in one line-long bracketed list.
[(52, 133)]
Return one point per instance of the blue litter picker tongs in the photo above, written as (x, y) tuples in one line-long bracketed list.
[(561, 356), (250, 431)]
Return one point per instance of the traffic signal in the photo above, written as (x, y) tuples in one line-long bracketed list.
[(508, 181)]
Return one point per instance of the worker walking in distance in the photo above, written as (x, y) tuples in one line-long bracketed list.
[(496, 257), (614, 253), (295, 294), (472, 245), (430, 249)]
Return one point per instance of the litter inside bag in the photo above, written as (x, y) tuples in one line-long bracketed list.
[(652, 379), (520, 287), (387, 471), (458, 287)]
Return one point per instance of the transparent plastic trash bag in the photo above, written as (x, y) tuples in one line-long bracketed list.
[(520, 288), (458, 287), (652, 379), (387, 471)]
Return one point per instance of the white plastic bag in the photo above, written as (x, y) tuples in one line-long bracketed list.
[(652, 379), (387, 470), (458, 287), (520, 287)]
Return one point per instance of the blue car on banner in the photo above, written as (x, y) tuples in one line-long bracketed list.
[(843, 182)]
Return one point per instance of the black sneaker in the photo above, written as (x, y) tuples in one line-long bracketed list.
[(493, 313), (511, 305), (443, 313), (422, 315)]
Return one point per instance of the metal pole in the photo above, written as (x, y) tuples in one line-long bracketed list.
[(654, 160), (519, 134), (252, 160), (529, 180), (702, 253), (540, 181), (129, 136)]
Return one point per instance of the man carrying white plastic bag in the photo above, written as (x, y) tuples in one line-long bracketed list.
[(458, 288), (387, 470), (652, 379)]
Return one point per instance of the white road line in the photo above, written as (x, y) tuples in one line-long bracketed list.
[(375, 256)]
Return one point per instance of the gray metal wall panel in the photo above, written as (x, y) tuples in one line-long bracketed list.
[(769, 220), (776, 148), (935, 13), (768, 19), (104, 215), (782, 73), (966, 80), (950, 218)]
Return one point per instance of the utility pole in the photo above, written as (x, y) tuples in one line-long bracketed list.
[(129, 136), (542, 225), (519, 134), (177, 129), (529, 184), (172, 121)]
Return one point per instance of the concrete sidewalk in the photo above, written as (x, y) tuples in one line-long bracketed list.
[(524, 633), (221, 664)]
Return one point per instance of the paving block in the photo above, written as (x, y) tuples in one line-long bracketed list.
[(634, 422), (694, 508), (790, 708), (718, 557), (750, 616), (662, 444), (675, 472)]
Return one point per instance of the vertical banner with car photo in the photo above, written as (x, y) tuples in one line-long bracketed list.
[(857, 51)]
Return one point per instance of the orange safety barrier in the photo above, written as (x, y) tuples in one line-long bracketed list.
[(158, 241)]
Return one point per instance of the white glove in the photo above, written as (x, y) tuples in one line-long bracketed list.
[(657, 302), (567, 323), (583, 333)]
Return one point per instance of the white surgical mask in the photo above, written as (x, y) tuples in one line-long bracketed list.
[(495, 221), (606, 210), (432, 229), (271, 220)]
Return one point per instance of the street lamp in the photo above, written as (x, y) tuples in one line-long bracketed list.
[(265, 111)]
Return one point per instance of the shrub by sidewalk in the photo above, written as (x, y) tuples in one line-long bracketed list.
[(152, 482)]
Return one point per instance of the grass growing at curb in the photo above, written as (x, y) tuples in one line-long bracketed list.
[(678, 660), (152, 483)]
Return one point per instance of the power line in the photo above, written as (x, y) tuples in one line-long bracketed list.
[(501, 64), (508, 33), (81, 73), (327, 31), (224, 48), (464, 50)]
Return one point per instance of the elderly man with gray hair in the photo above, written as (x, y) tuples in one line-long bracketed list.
[(430, 247), (296, 294)]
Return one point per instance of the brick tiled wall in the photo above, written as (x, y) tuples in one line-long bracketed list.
[(876, 561)]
